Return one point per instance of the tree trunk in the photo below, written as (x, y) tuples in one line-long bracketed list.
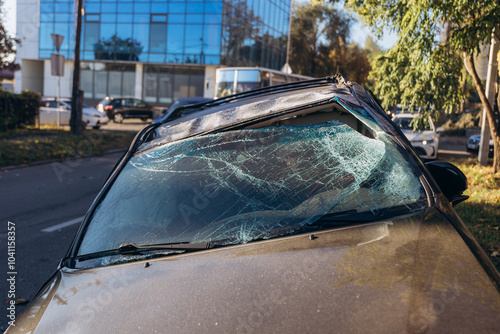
[(489, 112)]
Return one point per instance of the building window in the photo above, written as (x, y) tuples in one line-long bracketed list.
[(165, 84), (158, 34), (99, 80)]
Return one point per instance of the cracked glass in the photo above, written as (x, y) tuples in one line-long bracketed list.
[(252, 184)]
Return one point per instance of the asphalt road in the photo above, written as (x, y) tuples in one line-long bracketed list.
[(37, 200), (46, 203)]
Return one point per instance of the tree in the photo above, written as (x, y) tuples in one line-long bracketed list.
[(319, 46), (425, 67), (7, 45)]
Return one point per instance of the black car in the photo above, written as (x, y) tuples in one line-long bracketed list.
[(299, 208), (175, 111), (120, 108)]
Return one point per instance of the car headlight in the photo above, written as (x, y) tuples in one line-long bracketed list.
[(424, 142)]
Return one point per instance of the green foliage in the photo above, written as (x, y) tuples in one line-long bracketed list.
[(424, 68), (403, 76), (18, 110), (319, 47), (7, 45)]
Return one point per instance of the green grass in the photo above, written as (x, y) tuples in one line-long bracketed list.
[(30, 145), (481, 212)]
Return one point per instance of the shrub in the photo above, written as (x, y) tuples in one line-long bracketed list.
[(18, 110)]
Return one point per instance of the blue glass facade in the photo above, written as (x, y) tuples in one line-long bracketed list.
[(233, 33), (172, 40)]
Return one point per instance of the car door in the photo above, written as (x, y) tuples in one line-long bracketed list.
[(141, 109), (127, 108), (49, 113)]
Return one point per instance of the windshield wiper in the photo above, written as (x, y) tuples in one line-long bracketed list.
[(133, 249), (349, 217)]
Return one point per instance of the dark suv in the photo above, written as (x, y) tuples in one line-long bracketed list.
[(119, 108)]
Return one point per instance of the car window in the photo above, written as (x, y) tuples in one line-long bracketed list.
[(251, 184), (405, 123), (66, 104), (52, 104), (127, 102), (139, 103)]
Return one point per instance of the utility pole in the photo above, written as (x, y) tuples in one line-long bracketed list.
[(76, 96), (286, 68)]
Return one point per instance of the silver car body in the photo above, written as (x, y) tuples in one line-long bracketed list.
[(50, 114), (426, 141)]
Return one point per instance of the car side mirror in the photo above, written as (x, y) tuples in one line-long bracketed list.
[(451, 180), (440, 130)]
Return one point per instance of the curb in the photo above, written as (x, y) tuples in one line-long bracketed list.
[(45, 162)]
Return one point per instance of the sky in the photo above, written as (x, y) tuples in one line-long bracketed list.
[(359, 32), (9, 16)]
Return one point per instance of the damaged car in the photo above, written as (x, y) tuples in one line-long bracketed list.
[(293, 208)]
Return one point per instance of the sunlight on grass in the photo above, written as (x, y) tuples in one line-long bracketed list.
[(30, 145), (481, 213)]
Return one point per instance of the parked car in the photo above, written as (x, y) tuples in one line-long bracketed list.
[(50, 111), (399, 109), (120, 108), (291, 208), (425, 141), (472, 145), (175, 110)]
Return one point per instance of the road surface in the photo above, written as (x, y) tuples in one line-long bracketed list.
[(45, 205)]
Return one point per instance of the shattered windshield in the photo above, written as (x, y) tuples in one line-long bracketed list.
[(239, 186)]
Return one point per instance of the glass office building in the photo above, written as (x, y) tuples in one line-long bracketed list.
[(164, 46)]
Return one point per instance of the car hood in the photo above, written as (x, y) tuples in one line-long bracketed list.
[(418, 136), (92, 111), (409, 275)]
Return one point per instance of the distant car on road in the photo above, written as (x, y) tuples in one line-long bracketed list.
[(120, 108), (425, 141), (473, 145), (175, 111), (400, 110), (50, 111)]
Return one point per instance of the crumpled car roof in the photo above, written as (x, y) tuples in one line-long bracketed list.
[(243, 109)]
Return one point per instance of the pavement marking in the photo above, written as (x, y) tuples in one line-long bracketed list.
[(63, 225)]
